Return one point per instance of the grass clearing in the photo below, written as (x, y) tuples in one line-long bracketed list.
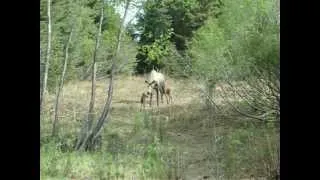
[(179, 141)]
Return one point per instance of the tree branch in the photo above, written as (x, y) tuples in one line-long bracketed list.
[(260, 118), (245, 99)]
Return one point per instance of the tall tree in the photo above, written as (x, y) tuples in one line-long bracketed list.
[(47, 63), (61, 83), (87, 129), (90, 142)]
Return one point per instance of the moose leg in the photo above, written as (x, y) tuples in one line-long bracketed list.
[(161, 97), (144, 105), (141, 107), (150, 99), (167, 98), (158, 98), (162, 91)]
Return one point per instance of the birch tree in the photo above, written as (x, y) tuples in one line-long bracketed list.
[(66, 57), (43, 88), (90, 141), (87, 128)]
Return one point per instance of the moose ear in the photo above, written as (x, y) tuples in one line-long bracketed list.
[(153, 82), (146, 81)]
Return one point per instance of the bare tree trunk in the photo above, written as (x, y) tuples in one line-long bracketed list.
[(107, 107), (45, 76), (55, 122), (87, 128), (42, 65), (94, 135)]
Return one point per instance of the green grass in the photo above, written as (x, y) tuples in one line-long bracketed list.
[(116, 160)]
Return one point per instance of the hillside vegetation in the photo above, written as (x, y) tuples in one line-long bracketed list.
[(177, 141), (221, 59)]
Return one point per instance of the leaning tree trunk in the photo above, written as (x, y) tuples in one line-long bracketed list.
[(55, 122), (43, 88), (94, 135), (87, 128)]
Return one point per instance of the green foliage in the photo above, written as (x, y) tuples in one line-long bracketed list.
[(169, 22), (141, 121), (82, 15), (126, 58), (152, 165), (50, 164), (250, 147), (208, 51), (176, 64), (158, 49), (238, 41), (118, 158), (254, 41)]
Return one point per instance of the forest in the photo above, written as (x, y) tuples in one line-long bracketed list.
[(102, 117)]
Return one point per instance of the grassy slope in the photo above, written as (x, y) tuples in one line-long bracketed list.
[(187, 129)]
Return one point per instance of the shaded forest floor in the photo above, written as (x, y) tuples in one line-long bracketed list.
[(185, 127)]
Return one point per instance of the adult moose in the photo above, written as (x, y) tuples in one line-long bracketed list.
[(155, 81)]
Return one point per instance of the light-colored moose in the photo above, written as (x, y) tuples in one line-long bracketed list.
[(156, 82)]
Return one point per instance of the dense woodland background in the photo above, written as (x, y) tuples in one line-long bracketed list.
[(221, 58)]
